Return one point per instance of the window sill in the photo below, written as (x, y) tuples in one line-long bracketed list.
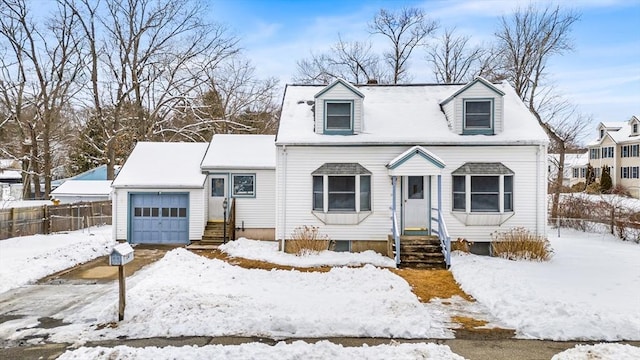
[(341, 218), (482, 218)]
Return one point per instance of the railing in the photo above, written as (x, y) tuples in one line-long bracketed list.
[(443, 235), (396, 235), (231, 224)]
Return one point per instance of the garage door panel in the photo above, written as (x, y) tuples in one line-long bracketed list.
[(159, 218)]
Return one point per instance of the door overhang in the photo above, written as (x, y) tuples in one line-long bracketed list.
[(417, 161)]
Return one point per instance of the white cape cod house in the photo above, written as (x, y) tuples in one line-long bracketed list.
[(373, 162), (372, 166)]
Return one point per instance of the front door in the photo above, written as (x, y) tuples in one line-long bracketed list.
[(416, 203), (217, 193)]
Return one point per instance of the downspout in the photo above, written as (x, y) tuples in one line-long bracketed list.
[(284, 195), (114, 214)]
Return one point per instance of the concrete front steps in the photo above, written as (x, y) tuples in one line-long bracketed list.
[(419, 252)]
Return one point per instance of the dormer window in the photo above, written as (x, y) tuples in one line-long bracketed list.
[(635, 129), (478, 116), (338, 117), (601, 133)]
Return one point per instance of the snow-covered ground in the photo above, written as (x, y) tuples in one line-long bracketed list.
[(617, 200), (26, 259), (600, 351), (281, 351), (590, 289)]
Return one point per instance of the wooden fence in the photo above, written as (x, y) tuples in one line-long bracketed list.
[(48, 219)]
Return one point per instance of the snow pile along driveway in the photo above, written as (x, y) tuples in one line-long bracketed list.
[(26, 259), (281, 351), (589, 290), (185, 294)]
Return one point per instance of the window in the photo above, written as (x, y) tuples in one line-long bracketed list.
[(625, 172), (338, 116), (635, 172), (601, 133), (576, 173), (635, 150), (607, 152), (339, 187), (583, 172), (594, 153), (635, 128), (244, 185), (624, 151), (217, 187), (596, 172), (478, 117), (484, 193)]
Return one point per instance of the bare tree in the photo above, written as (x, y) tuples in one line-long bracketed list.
[(406, 29), (143, 64), (353, 61), (47, 62), (454, 59), (527, 40)]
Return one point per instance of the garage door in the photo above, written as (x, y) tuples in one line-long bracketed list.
[(159, 218)]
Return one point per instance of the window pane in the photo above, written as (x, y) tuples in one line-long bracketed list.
[(182, 212), (475, 107), (342, 193), (416, 187), (458, 184), (485, 184), (243, 185), (217, 187), (318, 193), (137, 211), (365, 193), (338, 116), (508, 184), (342, 202), (146, 212), (459, 202), (478, 114), (484, 202), (165, 212), (154, 212), (508, 201), (342, 183), (174, 212)]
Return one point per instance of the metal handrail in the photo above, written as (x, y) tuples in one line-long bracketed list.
[(443, 235), (396, 235)]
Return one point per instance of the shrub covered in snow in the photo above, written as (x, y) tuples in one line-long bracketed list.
[(520, 244)]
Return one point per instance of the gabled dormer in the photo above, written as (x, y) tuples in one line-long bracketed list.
[(477, 108), (634, 123), (338, 109), (604, 128)]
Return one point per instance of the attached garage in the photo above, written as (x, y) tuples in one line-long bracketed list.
[(159, 194), (159, 218)]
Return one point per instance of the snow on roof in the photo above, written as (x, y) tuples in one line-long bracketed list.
[(571, 160), (619, 132), (10, 174), (613, 124), (245, 151), (83, 187), (163, 165), (404, 114)]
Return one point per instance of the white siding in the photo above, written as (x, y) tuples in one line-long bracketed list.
[(258, 212), (339, 92), (478, 91), (295, 164), (449, 113), (197, 218)]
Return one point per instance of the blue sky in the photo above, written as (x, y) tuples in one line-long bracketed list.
[(601, 76)]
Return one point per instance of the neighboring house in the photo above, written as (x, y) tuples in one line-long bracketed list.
[(10, 179), (575, 167), (72, 191), (352, 159), (618, 147)]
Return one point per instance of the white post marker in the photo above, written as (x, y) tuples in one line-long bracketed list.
[(121, 255)]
